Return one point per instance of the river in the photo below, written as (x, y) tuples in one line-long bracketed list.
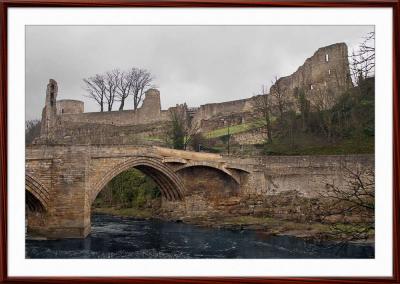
[(122, 237)]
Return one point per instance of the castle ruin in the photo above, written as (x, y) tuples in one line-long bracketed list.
[(65, 122)]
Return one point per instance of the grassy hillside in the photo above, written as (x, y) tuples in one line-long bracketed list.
[(235, 129)]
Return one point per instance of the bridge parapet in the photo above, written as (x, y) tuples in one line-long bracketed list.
[(187, 155), (174, 160)]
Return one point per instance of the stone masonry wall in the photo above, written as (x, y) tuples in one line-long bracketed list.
[(254, 136), (208, 111), (222, 121), (105, 134), (64, 171), (284, 187), (149, 112), (69, 106)]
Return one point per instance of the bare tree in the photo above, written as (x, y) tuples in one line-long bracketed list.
[(278, 98), (178, 126), (324, 100), (263, 105), (183, 130), (198, 142), (117, 85), (96, 88), (303, 105), (192, 131), (125, 82), (111, 85), (352, 203), (141, 80), (362, 61)]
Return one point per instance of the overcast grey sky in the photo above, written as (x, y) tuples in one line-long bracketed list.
[(192, 64)]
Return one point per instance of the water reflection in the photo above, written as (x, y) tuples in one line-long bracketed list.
[(118, 237)]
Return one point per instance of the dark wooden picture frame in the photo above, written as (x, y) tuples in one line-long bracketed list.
[(5, 4)]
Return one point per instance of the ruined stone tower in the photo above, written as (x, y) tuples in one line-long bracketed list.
[(49, 113), (152, 103), (327, 70)]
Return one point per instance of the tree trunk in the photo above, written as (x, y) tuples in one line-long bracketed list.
[(121, 106), (135, 100), (269, 134)]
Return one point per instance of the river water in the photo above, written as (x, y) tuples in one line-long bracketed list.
[(119, 237)]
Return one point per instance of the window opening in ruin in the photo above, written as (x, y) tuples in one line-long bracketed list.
[(62, 110), (329, 71), (326, 57), (311, 87)]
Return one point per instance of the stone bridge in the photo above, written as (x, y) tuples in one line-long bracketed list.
[(63, 181)]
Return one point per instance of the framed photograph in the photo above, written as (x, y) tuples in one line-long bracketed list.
[(199, 141)]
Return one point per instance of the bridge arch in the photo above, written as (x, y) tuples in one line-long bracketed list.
[(168, 181), (214, 166), (37, 195), (210, 182)]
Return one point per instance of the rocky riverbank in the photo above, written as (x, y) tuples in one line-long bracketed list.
[(126, 212)]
